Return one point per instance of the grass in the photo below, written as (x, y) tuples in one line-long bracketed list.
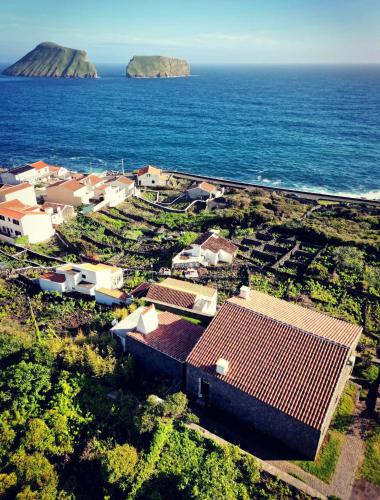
[(324, 465), (326, 203), (370, 468)]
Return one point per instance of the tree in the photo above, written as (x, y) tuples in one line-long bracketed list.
[(119, 463), (37, 472)]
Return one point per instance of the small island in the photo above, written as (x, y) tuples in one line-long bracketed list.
[(157, 67), (49, 59)]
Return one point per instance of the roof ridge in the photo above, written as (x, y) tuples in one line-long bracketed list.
[(312, 334)]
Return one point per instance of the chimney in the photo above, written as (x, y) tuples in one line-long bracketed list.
[(222, 366), (148, 320), (245, 292)]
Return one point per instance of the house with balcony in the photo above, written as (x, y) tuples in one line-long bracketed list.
[(85, 278), (209, 249), (20, 220)]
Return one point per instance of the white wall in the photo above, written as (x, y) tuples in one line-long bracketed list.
[(52, 286), (37, 227), (26, 196)]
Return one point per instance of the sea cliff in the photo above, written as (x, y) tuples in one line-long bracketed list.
[(157, 66), (51, 60)]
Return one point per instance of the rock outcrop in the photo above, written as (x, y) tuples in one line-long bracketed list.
[(51, 60), (156, 67)]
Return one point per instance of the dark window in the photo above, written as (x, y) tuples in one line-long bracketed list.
[(16, 222), (18, 233), (153, 182), (2, 217), (83, 276)]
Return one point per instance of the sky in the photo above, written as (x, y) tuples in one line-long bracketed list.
[(201, 31)]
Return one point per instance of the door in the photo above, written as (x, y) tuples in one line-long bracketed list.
[(204, 390)]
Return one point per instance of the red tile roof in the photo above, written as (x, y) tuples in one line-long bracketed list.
[(174, 336), (283, 366), (15, 209), (124, 180), (71, 185), (215, 243), (206, 186), (166, 295), (51, 276), (38, 164), (92, 179), (303, 318), (10, 188), (140, 290), (149, 169)]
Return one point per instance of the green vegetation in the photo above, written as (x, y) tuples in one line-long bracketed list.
[(78, 420), (324, 465), (370, 468)]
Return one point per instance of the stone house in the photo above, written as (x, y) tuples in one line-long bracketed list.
[(158, 340), (276, 366)]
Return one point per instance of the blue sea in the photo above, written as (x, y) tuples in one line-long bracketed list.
[(306, 127)]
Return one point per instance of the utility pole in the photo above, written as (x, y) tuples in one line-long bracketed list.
[(122, 166)]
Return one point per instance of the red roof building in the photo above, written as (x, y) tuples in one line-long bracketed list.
[(275, 365)]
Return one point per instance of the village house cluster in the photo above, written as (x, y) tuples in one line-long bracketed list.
[(53, 193), (275, 366)]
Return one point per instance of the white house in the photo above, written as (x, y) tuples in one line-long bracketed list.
[(150, 176), (209, 249), (83, 278), (18, 219), (23, 192), (70, 192), (125, 184), (59, 213), (110, 297), (20, 174), (204, 190)]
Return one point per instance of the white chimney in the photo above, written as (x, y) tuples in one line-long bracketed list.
[(148, 320), (222, 366), (245, 292)]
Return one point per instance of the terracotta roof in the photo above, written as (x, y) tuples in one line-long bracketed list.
[(125, 180), (55, 168), (291, 370), (206, 186), (116, 294), (11, 188), (166, 295), (140, 290), (17, 210), (51, 276), (300, 317), (70, 185), (174, 336), (215, 243), (92, 179), (38, 164), (149, 169)]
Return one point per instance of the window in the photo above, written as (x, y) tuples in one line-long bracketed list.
[(83, 276), (2, 217), (153, 182), (16, 222), (17, 233)]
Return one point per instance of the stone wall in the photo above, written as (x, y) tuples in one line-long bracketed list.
[(255, 413), (153, 361)]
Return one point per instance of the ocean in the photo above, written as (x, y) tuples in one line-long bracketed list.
[(304, 127)]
